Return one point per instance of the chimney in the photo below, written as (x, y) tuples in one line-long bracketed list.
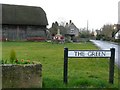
[(70, 21)]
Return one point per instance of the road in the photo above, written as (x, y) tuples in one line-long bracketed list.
[(104, 45)]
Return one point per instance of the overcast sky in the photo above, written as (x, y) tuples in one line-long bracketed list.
[(97, 12)]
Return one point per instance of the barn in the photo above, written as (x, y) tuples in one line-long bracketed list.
[(21, 23)]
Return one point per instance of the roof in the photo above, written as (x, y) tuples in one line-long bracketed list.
[(23, 15), (72, 29), (118, 29)]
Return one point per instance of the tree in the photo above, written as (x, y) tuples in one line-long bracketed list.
[(84, 33), (108, 31), (53, 29)]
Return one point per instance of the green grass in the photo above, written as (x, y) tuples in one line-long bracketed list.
[(82, 72)]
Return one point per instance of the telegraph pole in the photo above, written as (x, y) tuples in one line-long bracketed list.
[(87, 25)]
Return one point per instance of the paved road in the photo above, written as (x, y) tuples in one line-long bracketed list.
[(106, 46)]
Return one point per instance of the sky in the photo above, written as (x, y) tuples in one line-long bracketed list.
[(96, 12)]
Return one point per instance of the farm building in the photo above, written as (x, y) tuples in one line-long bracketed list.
[(23, 23)]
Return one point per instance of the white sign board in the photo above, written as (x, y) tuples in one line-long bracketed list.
[(89, 53)]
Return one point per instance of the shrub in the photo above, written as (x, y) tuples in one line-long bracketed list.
[(3, 61), (12, 56)]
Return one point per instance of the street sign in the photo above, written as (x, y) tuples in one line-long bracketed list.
[(89, 53)]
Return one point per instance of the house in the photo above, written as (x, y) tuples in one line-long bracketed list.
[(117, 33), (23, 23), (72, 30), (98, 32)]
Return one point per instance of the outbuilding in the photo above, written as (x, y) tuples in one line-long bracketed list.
[(21, 23)]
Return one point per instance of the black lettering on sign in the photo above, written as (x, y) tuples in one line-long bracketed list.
[(96, 53), (78, 53), (75, 53), (91, 54), (103, 53)]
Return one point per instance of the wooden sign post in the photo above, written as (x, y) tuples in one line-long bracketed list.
[(90, 54)]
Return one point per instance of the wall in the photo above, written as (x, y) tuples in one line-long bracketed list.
[(22, 32), (22, 76)]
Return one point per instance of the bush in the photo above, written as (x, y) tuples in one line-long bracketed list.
[(14, 60), (3, 61), (12, 56)]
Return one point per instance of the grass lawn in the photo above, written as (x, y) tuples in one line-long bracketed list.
[(82, 73)]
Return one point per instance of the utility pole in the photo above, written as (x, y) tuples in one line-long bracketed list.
[(87, 25)]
